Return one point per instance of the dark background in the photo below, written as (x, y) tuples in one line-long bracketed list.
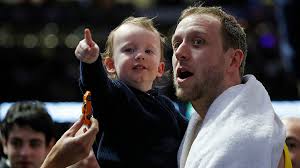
[(38, 39)]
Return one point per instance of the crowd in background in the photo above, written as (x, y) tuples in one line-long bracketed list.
[(38, 37)]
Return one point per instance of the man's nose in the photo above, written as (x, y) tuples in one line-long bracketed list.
[(25, 150), (182, 52)]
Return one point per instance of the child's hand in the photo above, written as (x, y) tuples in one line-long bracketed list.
[(87, 50)]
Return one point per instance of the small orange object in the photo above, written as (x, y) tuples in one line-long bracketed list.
[(87, 108)]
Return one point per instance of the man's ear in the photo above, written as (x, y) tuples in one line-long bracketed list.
[(110, 65), (161, 69), (236, 57)]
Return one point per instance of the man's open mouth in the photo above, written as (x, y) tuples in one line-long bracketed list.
[(183, 74)]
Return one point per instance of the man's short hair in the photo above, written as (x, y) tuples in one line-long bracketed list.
[(28, 113)]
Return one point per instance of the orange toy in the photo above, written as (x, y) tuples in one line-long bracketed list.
[(87, 108)]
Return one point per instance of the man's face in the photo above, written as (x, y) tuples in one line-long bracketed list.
[(25, 148), (293, 139), (198, 58)]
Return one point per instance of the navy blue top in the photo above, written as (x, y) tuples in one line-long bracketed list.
[(137, 129)]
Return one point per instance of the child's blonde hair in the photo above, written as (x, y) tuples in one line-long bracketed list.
[(139, 21)]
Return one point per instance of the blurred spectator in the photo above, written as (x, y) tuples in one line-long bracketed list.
[(292, 125), (26, 134)]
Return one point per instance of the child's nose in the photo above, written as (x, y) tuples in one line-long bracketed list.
[(140, 56)]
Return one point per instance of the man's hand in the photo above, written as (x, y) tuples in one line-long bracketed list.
[(87, 50), (72, 147)]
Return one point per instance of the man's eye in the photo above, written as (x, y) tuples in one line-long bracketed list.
[(198, 42), (291, 145), (35, 143), (16, 143), (175, 45)]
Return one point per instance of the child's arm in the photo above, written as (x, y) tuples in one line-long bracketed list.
[(93, 76)]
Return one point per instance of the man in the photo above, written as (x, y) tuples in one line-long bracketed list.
[(26, 134), (292, 125), (234, 124)]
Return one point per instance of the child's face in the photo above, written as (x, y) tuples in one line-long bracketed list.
[(137, 56)]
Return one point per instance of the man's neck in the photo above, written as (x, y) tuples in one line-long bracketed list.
[(201, 107)]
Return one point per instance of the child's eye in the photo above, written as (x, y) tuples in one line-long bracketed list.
[(129, 50), (148, 51)]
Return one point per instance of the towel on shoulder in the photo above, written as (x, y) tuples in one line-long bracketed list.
[(240, 130)]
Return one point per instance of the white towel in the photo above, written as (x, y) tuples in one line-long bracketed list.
[(240, 130)]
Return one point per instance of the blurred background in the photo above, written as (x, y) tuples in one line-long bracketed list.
[(38, 39)]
